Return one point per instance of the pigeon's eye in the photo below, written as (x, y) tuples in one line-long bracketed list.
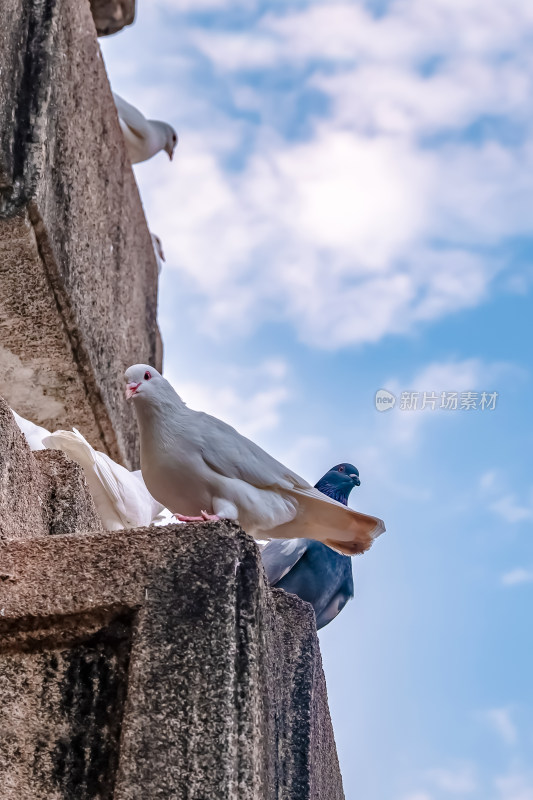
[(147, 375), (341, 468)]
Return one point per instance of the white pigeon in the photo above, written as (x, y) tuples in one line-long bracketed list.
[(144, 137), (158, 251), (196, 464), (33, 433), (120, 496)]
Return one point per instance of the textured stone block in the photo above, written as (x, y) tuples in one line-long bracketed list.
[(78, 278), (110, 16), (157, 663), (41, 493)]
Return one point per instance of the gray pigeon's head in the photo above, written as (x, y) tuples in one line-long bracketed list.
[(170, 137), (143, 381)]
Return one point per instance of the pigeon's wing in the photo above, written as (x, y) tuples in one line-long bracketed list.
[(324, 519), (318, 517), (333, 609), (230, 454), (156, 508), (280, 555), (132, 117), (131, 498), (80, 451), (121, 499), (33, 433)]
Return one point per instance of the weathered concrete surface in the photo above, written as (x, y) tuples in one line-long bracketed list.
[(78, 277), (159, 665), (40, 493), (110, 16)]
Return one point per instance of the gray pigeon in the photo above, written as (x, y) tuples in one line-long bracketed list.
[(144, 137), (201, 468)]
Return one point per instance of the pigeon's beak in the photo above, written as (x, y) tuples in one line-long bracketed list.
[(356, 480), (131, 390)]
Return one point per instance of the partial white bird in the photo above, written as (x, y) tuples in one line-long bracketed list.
[(33, 433), (120, 496), (144, 137), (158, 251), (195, 465)]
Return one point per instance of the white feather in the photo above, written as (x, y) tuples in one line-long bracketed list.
[(121, 497), (158, 251), (34, 433), (280, 556)]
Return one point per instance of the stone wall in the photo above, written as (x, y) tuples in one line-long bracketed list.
[(110, 16), (78, 277)]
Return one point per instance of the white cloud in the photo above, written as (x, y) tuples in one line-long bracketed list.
[(184, 6), (402, 428), (379, 97), (307, 455), (500, 719), (517, 576), (503, 502), (347, 32), (418, 796), (345, 191), (364, 229), (511, 509), (459, 780), (237, 396), (517, 785), (335, 247)]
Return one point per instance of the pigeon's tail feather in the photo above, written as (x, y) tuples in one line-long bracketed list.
[(122, 499), (74, 445), (336, 525), (33, 433), (97, 471)]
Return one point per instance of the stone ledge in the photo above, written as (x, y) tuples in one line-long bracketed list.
[(156, 663)]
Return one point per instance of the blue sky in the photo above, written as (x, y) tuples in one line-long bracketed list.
[(349, 209)]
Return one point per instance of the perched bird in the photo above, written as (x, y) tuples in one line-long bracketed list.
[(309, 569), (158, 251), (120, 496), (144, 137), (33, 433), (201, 468)]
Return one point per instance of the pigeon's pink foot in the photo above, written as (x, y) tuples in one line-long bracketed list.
[(184, 518), (208, 517)]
